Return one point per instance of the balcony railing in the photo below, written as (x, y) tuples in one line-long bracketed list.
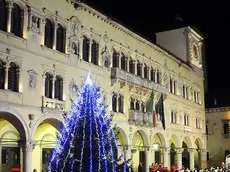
[(53, 104), (125, 76), (141, 118)]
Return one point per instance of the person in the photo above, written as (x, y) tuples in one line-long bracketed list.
[(140, 168)]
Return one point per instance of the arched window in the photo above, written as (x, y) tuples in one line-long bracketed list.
[(123, 62), (2, 75), (114, 103), (48, 85), (131, 104), (139, 69), (131, 66), (16, 20), (60, 44), (137, 105), (146, 72), (152, 75), (115, 59), (13, 77), (95, 52), (121, 103), (86, 43), (58, 88), (3, 15), (226, 128), (48, 34)]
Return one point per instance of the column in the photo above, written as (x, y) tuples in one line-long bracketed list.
[(55, 36), (119, 61), (173, 86), (203, 158), (42, 30), (135, 67), (127, 152), (127, 63), (153, 155), (90, 49), (191, 158), (117, 99), (166, 156), (179, 157), (24, 18), (53, 87), (148, 73), (147, 157), (142, 69), (6, 77), (19, 80), (10, 6), (27, 149)]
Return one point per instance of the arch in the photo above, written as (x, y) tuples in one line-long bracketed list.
[(174, 139), (16, 120), (3, 15), (19, 3), (123, 135), (144, 137), (161, 138), (188, 142), (198, 143), (53, 120)]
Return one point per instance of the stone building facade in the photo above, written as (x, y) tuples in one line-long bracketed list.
[(45, 50)]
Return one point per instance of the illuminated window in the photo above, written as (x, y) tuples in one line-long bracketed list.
[(194, 51)]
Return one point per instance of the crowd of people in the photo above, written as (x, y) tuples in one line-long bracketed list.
[(161, 168)]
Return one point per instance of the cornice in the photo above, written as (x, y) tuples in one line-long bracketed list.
[(84, 7), (218, 109)]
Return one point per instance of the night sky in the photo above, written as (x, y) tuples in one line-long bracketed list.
[(212, 19)]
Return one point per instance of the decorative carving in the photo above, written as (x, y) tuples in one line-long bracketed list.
[(35, 24), (27, 146), (74, 90), (32, 79), (74, 37)]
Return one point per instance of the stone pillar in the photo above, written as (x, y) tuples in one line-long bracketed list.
[(179, 157), (90, 49), (9, 7), (53, 87), (148, 74), (127, 63), (24, 18), (135, 67), (128, 153), (55, 36), (42, 30), (81, 48), (142, 69), (6, 77), (119, 61), (153, 155), (19, 81), (117, 99), (166, 156), (173, 86), (191, 158), (27, 148), (147, 157), (203, 158)]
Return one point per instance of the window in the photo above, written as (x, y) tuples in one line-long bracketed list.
[(146, 72), (16, 20), (226, 128), (131, 104), (143, 107), (175, 88), (48, 85), (2, 75), (48, 34), (198, 123), (95, 52), (186, 119), (3, 15), (171, 86), (13, 77), (123, 62), (115, 59), (152, 75), (173, 117), (184, 91), (137, 105), (58, 88), (86, 43), (131, 66), (114, 103), (158, 77), (121, 103), (139, 69), (60, 44)]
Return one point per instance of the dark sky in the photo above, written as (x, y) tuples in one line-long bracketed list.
[(212, 19)]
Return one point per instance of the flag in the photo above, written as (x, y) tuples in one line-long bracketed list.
[(160, 106), (150, 107)]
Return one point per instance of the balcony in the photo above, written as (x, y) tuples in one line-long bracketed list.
[(187, 128), (141, 118), (11, 97), (52, 104), (126, 77)]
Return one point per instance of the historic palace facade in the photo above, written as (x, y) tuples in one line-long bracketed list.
[(47, 46)]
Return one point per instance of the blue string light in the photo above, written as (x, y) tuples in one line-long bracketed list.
[(89, 109)]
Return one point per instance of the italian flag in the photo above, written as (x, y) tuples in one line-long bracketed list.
[(150, 107)]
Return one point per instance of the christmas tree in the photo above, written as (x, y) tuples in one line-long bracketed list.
[(87, 141)]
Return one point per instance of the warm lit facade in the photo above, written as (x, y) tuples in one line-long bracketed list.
[(218, 132), (47, 46)]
